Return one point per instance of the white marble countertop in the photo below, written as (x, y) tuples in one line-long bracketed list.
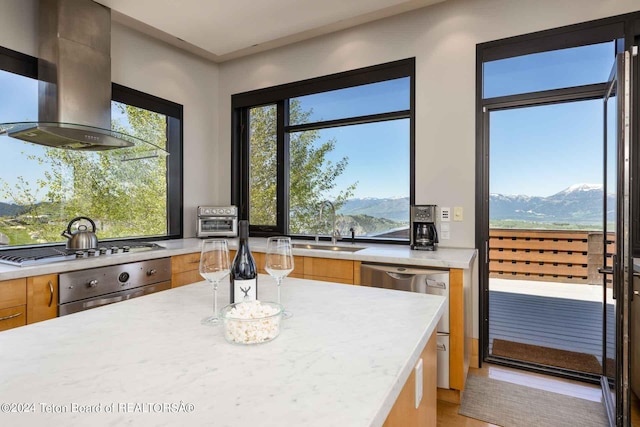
[(379, 253), (341, 360)]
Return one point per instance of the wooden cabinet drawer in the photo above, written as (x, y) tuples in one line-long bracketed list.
[(187, 262), (13, 292), (42, 298), (329, 268), (13, 317), (185, 278)]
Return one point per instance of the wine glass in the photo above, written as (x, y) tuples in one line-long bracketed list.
[(214, 266), (279, 262)]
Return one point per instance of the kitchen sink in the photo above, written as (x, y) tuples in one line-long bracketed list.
[(327, 248)]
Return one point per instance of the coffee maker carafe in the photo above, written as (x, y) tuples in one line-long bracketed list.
[(424, 235)]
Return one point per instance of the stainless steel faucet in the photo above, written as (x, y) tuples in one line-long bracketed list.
[(335, 234)]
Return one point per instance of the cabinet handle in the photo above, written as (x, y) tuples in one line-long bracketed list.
[(13, 316), (50, 293)]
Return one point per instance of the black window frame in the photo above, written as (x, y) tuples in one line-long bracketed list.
[(27, 66), (623, 29), (280, 95)]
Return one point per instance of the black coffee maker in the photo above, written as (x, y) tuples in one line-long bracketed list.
[(424, 236)]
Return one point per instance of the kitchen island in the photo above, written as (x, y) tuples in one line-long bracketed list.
[(341, 360)]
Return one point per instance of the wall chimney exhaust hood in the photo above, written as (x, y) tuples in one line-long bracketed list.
[(74, 73)]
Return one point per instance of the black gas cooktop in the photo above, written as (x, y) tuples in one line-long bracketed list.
[(46, 254)]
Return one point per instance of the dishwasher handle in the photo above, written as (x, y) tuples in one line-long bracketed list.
[(400, 276), (435, 284)]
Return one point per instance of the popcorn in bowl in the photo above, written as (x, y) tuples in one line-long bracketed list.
[(251, 322)]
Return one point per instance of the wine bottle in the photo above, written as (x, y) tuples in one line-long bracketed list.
[(244, 275)]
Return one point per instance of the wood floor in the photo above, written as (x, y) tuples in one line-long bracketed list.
[(448, 412)]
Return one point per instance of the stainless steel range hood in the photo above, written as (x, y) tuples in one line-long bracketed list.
[(74, 73)]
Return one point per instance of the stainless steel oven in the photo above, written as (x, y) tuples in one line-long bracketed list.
[(217, 221), (95, 287)]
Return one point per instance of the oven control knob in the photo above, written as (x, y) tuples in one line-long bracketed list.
[(93, 283), (151, 272), (123, 277)]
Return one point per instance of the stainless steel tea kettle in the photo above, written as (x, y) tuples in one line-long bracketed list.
[(81, 238)]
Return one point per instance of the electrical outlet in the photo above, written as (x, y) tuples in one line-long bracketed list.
[(445, 214), (457, 213)]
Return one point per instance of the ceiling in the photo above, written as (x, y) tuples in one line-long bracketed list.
[(220, 30)]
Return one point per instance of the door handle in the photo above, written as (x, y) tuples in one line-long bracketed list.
[(50, 293)]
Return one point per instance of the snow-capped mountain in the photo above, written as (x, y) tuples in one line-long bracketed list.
[(579, 203)]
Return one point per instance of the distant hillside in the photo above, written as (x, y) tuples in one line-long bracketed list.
[(578, 204), (390, 208), (9, 209)]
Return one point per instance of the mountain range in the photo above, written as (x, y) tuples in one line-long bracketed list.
[(395, 209), (577, 204)]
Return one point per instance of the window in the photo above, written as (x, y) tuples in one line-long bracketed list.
[(127, 193), (554, 69), (346, 138)]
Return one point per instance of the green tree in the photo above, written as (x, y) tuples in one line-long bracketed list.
[(122, 190), (312, 176)]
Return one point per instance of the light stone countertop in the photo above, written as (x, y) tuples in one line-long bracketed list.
[(341, 360), (378, 253)]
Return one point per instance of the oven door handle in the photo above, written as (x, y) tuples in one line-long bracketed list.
[(110, 300)]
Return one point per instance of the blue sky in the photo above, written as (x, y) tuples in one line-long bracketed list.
[(378, 152), (539, 151)]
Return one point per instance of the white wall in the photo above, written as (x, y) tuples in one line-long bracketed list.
[(443, 40), (145, 64), (18, 23), (154, 67)]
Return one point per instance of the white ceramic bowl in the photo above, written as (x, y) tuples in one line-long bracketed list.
[(252, 322)]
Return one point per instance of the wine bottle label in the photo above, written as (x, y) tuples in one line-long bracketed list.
[(244, 290)]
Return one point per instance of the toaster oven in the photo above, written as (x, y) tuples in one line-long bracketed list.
[(217, 221)]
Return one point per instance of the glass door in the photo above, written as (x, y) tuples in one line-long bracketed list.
[(616, 244)]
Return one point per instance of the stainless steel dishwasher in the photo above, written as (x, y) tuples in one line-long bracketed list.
[(420, 280)]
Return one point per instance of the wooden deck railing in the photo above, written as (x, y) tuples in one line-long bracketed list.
[(548, 255)]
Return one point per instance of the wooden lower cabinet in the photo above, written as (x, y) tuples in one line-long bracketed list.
[(328, 269), (404, 412), (42, 298), (459, 344), (184, 269), (13, 303)]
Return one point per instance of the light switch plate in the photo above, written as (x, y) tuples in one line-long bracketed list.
[(418, 373), (445, 214), (457, 213)]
